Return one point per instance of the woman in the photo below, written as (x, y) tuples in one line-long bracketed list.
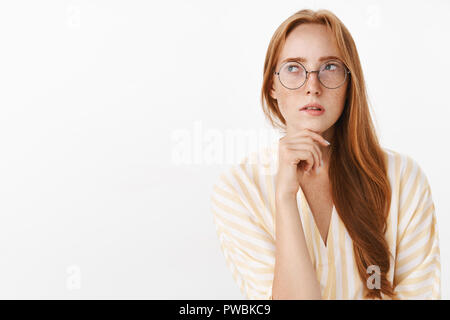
[(340, 217)]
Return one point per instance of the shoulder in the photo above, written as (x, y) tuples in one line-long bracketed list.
[(402, 167), (252, 171), (247, 188), (411, 189)]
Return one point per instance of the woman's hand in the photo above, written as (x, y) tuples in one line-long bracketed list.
[(300, 149)]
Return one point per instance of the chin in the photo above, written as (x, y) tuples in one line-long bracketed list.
[(314, 128)]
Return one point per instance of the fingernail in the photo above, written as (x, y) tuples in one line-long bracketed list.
[(321, 163), (317, 170), (327, 142)]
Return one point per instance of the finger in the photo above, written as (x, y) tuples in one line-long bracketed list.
[(309, 161), (307, 132), (308, 141), (318, 156), (307, 153), (301, 153), (312, 148)]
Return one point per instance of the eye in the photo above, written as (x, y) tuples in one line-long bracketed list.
[(291, 67), (330, 67)]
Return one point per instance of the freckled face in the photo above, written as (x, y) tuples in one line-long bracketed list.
[(310, 41)]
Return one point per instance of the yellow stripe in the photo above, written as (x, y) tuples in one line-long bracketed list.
[(406, 173), (249, 199), (263, 270), (392, 219), (436, 294), (271, 196), (419, 279), (244, 230), (236, 199), (399, 277), (397, 172), (344, 261), (233, 211), (256, 184), (421, 234), (318, 246), (412, 193), (250, 283), (269, 192), (231, 266), (248, 245), (419, 251), (332, 264), (413, 293), (258, 270), (230, 196)]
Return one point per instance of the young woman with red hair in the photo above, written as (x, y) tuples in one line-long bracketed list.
[(334, 215)]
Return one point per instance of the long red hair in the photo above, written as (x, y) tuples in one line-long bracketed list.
[(358, 171)]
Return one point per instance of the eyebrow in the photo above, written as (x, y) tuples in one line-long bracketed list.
[(301, 59)]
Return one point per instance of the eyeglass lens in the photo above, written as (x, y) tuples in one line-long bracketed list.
[(332, 74)]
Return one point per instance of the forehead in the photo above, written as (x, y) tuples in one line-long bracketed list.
[(309, 41)]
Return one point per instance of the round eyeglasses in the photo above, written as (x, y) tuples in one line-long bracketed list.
[(332, 74)]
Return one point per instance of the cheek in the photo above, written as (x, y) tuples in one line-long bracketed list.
[(281, 108), (284, 101), (340, 98)]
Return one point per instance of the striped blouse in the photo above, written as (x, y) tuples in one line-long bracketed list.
[(243, 208)]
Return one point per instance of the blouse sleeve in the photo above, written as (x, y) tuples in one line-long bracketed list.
[(245, 240), (417, 265)]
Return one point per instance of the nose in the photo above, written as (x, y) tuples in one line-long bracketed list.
[(313, 83)]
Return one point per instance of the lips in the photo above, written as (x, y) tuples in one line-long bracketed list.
[(316, 105)]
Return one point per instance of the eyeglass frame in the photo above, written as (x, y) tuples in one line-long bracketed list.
[(313, 71)]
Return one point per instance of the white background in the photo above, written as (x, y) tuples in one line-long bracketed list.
[(97, 98)]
